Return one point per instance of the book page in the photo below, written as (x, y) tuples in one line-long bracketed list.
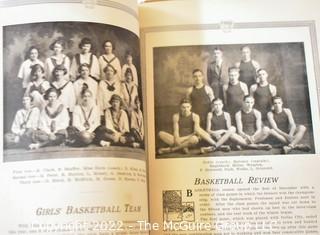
[(72, 145), (233, 144)]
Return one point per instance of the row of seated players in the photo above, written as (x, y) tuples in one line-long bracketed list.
[(33, 128), (249, 133), (232, 93), (71, 91)]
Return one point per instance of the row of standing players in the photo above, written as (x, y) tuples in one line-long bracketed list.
[(84, 99), (251, 109)]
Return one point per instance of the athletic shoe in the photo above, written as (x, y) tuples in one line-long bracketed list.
[(105, 143), (164, 150), (135, 145), (34, 146), (303, 147), (204, 150), (224, 148), (286, 149)]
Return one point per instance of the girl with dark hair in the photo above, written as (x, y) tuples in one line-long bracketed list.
[(85, 57), (54, 120), (37, 87), (130, 65), (116, 128), (65, 87), (58, 58), (86, 118), (129, 91), (109, 86), (85, 80), (23, 126), (109, 59), (25, 68), (137, 126)]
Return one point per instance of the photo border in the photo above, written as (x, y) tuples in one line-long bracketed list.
[(311, 25)]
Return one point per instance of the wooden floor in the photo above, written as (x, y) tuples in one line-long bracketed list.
[(55, 152)]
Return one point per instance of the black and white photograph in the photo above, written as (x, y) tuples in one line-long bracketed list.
[(232, 100), (71, 89)]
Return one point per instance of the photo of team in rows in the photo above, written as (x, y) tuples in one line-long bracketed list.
[(242, 112), (78, 101)]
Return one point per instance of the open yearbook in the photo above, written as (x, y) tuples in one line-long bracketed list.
[(163, 117)]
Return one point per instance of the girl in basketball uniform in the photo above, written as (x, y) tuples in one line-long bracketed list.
[(109, 59), (129, 91), (37, 87), (64, 86), (25, 68), (85, 57), (53, 122), (58, 58), (86, 118)]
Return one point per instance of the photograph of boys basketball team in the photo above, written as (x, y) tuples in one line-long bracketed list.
[(225, 101), (78, 99)]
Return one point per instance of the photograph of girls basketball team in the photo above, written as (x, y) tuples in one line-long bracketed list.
[(78, 85), (232, 100)]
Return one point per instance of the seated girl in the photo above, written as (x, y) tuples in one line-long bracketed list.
[(24, 124), (86, 118), (137, 127), (129, 91), (53, 122), (116, 129)]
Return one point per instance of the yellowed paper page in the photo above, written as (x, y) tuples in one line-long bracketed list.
[(70, 163), (194, 188)]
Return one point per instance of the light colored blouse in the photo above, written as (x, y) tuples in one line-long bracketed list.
[(105, 90), (25, 71), (67, 97), (92, 86), (86, 119), (54, 119), (118, 124), (52, 62), (88, 59), (25, 120)]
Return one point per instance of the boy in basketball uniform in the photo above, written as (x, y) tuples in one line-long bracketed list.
[(284, 127), (249, 125), (186, 131)]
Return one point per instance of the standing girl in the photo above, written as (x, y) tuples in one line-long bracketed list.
[(25, 68), (109, 59), (37, 87), (58, 58), (85, 57)]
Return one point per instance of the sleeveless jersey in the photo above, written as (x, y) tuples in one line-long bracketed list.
[(218, 122), (234, 98), (263, 99), (200, 103), (186, 125), (247, 73), (248, 122), (282, 121)]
